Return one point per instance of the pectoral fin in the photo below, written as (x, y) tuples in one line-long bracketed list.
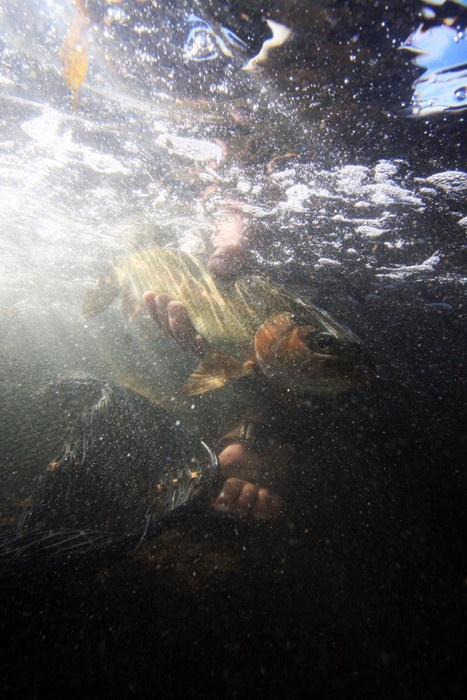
[(215, 371)]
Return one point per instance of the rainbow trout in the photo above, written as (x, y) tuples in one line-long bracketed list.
[(252, 326)]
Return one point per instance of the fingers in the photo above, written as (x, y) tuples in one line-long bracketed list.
[(172, 318), (179, 323), (242, 494), (242, 498), (156, 304), (268, 504), (149, 300)]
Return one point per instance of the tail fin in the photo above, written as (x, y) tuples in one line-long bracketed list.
[(48, 547)]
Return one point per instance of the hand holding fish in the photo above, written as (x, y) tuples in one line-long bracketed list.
[(172, 318), (238, 496), (243, 327), (228, 259)]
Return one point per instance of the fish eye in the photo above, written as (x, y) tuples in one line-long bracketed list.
[(321, 342)]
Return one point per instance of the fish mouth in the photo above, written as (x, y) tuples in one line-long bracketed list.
[(348, 369)]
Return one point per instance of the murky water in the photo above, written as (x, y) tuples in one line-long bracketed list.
[(354, 589)]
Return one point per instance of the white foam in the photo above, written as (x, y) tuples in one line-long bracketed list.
[(370, 231), (403, 271), (450, 180), (191, 149)]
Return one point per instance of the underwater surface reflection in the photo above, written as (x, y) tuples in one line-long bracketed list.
[(134, 126), (440, 46)]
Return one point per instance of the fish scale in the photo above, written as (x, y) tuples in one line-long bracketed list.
[(225, 313)]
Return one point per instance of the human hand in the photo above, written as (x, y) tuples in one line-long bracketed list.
[(241, 497), (172, 318), (231, 242)]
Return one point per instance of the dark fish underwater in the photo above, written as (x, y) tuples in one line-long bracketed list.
[(127, 468), (253, 327)]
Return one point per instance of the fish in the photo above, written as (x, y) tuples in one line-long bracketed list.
[(252, 326), (126, 468)]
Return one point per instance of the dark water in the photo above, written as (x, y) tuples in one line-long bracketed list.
[(356, 589)]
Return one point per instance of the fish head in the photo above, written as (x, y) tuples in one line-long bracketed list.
[(311, 353)]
